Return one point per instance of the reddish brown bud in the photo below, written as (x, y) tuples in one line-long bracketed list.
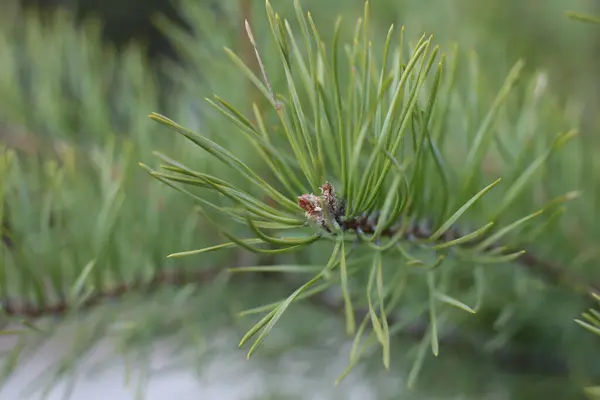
[(330, 199), (322, 209), (310, 204)]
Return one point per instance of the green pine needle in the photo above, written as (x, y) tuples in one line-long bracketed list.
[(359, 146)]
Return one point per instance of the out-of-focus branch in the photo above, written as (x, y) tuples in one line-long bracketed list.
[(508, 357), (14, 307), (551, 272)]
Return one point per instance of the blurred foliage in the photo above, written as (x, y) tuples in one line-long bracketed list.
[(81, 218), (123, 22)]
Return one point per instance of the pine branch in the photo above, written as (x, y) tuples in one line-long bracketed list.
[(354, 136), (551, 272), (376, 118), (20, 308)]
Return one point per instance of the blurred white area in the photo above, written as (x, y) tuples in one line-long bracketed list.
[(217, 369), (228, 376)]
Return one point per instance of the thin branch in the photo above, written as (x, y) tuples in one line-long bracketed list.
[(551, 272), (556, 273), (18, 308)]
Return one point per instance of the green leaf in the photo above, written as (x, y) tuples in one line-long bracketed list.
[(244, 244), (250, 203), (277, 315), (520, 183), (465, 238), (382, 313), (377, 328), (356, 350), (81, 280), (497, 259), (409, 258), (482, 139), (446, 225), (419, 360), (269, 321), (583, 17), (260, 324), (453, 302), (258, 58), (386, 211), (269, 307), (204, 202), (284, 168), (504, 231), (592, 317), (304, 241), (227, 158), (374, 177), (432, 314), (348, 309), (589, 327), (386, 130), (379, 323), (214, 248)]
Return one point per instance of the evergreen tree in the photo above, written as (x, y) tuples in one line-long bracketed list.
[(341, 177)]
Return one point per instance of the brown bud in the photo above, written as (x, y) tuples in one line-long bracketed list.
[(330, 199), (310, 204)]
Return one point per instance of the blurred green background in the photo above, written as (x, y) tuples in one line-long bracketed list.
[(77, 80)]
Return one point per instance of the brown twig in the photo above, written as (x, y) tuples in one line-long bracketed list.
[(17, 308), (551, 272)]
